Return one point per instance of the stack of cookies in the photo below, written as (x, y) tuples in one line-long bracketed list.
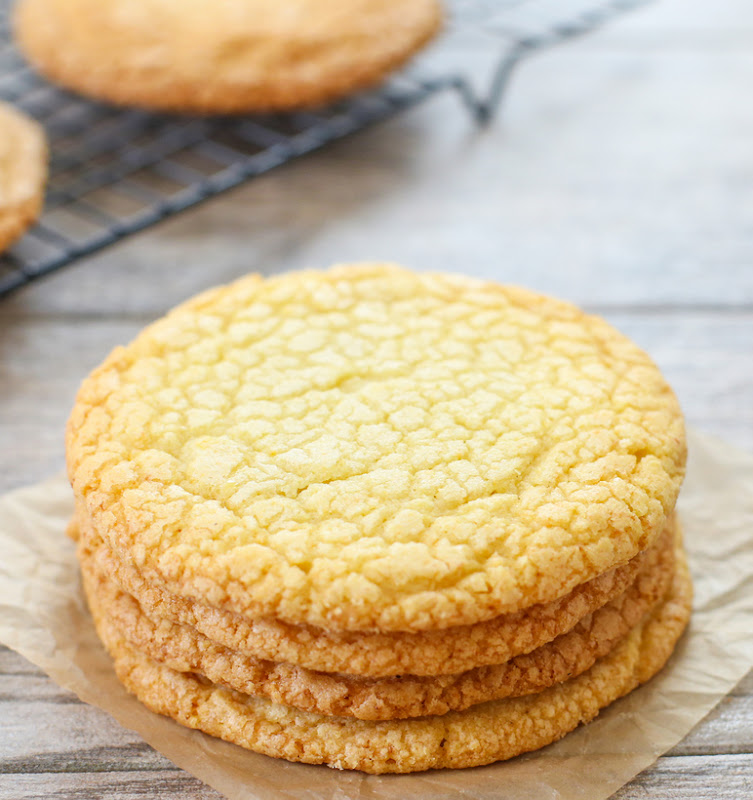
[(380, 520)]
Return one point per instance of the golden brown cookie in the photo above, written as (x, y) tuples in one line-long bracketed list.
[(485, 733), (219, 56), (181, 648), (366, 448), (377, 655), (23, 171)]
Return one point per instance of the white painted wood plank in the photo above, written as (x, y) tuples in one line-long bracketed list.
[(693, 778), (680, 778), (165, 785)]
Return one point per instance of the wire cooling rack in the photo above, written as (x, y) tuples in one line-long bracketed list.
[(114, 172)]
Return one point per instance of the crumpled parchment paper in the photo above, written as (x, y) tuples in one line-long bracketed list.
[(44, 617)]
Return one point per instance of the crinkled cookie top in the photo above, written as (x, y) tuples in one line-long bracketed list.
[(367, 448)]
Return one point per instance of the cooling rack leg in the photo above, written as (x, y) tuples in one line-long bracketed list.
[(483, 109), (468, 98), (488, 107)]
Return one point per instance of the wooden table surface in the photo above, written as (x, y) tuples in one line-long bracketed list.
[(619, 176)]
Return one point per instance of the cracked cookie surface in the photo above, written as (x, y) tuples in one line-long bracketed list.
[(183, 649), (222, 56), (367, 448), (23, 171), (489, 732)]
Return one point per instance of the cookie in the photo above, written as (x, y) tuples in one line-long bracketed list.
[(183, 649), (376, 655), (225, 56), (23, 172), (371, 449), (483, 734)]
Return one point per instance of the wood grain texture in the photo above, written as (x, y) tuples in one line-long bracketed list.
[(724, 777), (620, 176), (166, 784)]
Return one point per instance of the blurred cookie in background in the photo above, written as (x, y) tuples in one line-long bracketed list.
[(222, 56), (23, 171)]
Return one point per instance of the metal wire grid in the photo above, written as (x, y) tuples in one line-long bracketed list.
[(114, 172)]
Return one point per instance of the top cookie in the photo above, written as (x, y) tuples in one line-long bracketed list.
[(367, 448), (222, 55), (23, 170)]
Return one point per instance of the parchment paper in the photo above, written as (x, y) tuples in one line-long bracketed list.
[(43, 616)]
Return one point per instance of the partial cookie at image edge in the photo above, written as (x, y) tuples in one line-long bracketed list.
[(23, 172)]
